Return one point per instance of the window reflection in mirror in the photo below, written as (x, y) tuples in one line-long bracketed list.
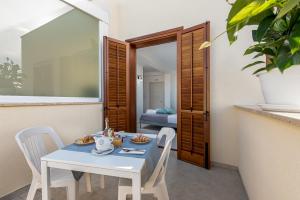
[(48, 49)]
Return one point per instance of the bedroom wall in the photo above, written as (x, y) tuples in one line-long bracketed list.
[(170, 92), (167, 77), (173, 90), (150, 77), (139, 93), (229, 85)]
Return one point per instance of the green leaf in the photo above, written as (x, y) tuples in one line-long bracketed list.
[(231, 33), (294, 39), (269, 51), (252, 9), (284, 59), (294, 16), (280, 25), (252, 49), (259, 70), (252, 64), (284, 63), (254, 35), (296, 58), (236, 7), (264, 27), (245, 12), (287, 7), (258, 55), (253, 20), (288, 19), (270, 66), (267, 4)]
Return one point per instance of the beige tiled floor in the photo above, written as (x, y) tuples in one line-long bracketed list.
[(185, 182)]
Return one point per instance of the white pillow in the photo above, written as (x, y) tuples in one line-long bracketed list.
[(151, 111)]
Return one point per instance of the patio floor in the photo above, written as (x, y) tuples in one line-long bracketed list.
[(185, 182)]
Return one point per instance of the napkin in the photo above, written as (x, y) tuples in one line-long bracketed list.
[(133, 151), (102, 150)]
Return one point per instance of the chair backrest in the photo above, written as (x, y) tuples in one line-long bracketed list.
[(32, 145), (160, 169)]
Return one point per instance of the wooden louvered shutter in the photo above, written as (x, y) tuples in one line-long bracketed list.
[(193, 106), (116, 101)]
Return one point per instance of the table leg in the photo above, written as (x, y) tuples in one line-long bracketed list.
[(88, 183), (102, 182), (136, 187), (45, 173)]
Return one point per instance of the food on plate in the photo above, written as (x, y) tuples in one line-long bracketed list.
[(86, 140), (140, 139)]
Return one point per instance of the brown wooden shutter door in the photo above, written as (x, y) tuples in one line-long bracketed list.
[(193, 91), (116, 73)]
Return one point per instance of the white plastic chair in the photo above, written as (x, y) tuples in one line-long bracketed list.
[(156, 184), (33, 147)]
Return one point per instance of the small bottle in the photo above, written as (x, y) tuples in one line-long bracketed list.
[(105, 132)]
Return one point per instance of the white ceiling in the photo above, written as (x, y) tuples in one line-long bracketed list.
[(158, 58)]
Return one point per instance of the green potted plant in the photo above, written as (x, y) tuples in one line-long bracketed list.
[(10, 77), (276, 45)]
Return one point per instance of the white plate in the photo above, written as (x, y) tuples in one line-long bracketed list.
[(280, 108), (94, 151)]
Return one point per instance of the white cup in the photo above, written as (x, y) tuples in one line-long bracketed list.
[(103, 143)]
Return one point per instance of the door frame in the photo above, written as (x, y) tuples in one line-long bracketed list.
[(162, 37)]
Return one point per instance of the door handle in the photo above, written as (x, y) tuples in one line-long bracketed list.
[(206, 115)]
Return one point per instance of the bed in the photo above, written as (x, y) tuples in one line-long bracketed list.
[(163, 120)]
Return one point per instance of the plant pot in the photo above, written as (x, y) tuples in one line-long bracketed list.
[(281, 88)]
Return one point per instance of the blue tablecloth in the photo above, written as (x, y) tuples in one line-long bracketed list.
[(151, 156)]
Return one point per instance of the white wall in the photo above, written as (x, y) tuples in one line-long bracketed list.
[(112, 8), (269, 159), (229, 85), (69, 121), (135, 18)]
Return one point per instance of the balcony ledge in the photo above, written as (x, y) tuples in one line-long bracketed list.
[(47, 104), (291, 118)]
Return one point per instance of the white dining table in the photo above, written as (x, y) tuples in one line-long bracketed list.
[(110, 165)]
